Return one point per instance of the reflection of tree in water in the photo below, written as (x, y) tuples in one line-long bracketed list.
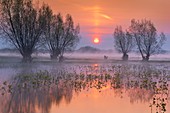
[(150, 85), (31, 92), (160, 98), (41, 90)]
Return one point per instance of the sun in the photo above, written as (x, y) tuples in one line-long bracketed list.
[(96, 40)]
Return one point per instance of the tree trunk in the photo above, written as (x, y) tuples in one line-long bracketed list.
[(54, 55), (61, 58), (26, 57), (146, 58), (125, 57)]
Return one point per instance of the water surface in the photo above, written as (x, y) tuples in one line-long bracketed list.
[(85, 88)]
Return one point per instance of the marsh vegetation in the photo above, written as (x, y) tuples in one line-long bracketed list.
[(42, 91)]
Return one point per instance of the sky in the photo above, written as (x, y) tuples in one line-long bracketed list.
[(98, 18)]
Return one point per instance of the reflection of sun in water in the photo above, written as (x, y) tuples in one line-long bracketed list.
[(95, 65), (96, 40)]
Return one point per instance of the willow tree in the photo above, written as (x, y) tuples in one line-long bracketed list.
[(146, 37), (21, 25), (123, 42), (60, 35)]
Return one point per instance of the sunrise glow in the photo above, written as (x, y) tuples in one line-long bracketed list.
[(101, 17), (96, 40)]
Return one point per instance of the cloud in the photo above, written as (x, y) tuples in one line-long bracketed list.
[(96, 10), (106, 16)]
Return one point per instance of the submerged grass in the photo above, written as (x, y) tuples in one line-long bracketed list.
[(132, 79)]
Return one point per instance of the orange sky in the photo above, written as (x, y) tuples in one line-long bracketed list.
[(98, 18)]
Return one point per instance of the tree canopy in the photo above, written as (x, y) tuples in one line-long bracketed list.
[(123, 42), (60, 35), (147, 39), (22, 25)]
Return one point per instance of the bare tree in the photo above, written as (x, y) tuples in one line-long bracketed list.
[(21, 24), (123, 42), (60, 36), (147, 40)]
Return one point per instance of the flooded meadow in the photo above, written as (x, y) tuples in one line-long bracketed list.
[(85, 88)]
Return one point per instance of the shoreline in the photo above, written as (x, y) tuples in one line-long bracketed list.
[(41, 59)]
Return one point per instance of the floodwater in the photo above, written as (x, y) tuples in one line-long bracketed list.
[(84, 88)]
